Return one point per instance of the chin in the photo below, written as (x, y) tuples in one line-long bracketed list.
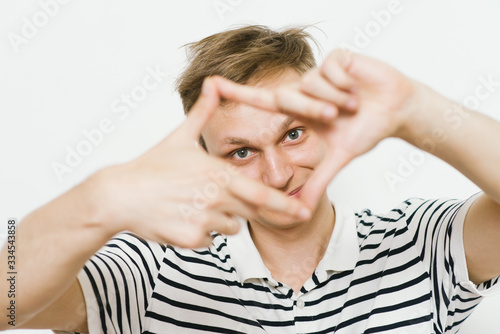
[(277, 220)]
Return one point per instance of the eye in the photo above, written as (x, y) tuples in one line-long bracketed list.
[(293, 134), (241, 153)]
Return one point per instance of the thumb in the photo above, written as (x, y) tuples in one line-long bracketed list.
[(202, 110), (322, 176)]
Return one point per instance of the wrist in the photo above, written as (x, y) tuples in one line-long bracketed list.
[(418, 113), (93, 194)]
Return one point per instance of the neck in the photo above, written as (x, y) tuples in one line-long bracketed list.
[(292, 254)]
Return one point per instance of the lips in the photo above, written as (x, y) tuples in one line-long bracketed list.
[(295, 192)]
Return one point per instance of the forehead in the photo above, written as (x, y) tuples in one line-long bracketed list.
[(240, 121)]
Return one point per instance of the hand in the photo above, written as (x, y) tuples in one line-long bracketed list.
[(175, 193), (353, 102)]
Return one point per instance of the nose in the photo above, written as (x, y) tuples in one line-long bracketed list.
[(277, 170)]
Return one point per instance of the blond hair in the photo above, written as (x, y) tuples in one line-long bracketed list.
[(244, 55)]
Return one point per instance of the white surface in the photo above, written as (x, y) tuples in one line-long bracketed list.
[(67, 76)]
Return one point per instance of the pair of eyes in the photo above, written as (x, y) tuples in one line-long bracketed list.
[(291, 135)]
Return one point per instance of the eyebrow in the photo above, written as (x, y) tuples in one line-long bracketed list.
[(242, 141), (286, 123)]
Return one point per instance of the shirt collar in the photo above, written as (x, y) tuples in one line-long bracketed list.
[(245, 256), (341, 254), (343, 249)]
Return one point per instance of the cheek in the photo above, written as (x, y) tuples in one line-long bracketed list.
[(251, 170), (309, 154)]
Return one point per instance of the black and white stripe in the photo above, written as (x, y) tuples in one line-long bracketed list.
[(409, 276)]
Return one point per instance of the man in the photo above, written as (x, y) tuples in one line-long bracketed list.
[(420, 268)]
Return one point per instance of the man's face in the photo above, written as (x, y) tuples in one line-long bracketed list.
[(270, 147)]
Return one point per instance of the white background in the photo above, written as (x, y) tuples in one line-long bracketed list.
[(64, 78)]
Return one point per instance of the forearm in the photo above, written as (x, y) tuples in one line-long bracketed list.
[(53, 244), (465, 139)]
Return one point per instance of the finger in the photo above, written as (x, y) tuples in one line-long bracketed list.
[(294, 102), (256, 97), (218, 221), (195, 231), (183, 233), (193, 239), (202, 110), (226, 224), (266, 99), (335, 69), (261, 196), (324, 173), (314, 84), (237, 207)]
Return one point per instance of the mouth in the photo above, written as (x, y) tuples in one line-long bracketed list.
[(295, 193)]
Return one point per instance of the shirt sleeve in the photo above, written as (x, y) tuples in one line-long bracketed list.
[(438, 235), (117, 283)]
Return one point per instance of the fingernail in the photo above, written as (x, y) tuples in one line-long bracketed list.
[(304, 214), (329, 113)]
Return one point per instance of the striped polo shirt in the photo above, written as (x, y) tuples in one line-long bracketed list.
[(402, 272)]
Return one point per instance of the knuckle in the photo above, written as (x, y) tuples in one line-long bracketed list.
[(215, 203), (281, 95), (247, 211), (160, 235), (308, 82), (204, 220), (330, 57), (314, 107), (327, 64), (343, 98), (338, 58), (193, 240), (259, 99)]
